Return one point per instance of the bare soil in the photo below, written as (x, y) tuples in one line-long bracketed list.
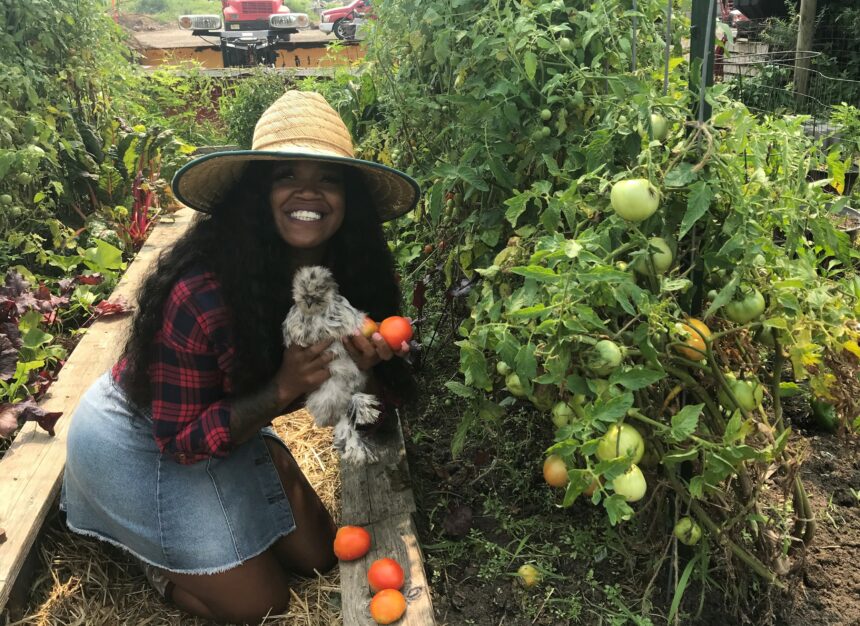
[(827, 591)]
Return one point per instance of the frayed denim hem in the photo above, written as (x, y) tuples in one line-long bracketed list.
[(208, 571)]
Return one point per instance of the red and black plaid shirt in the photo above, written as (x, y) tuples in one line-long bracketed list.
[(189, 374)]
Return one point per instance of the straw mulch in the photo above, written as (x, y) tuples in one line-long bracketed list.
[(88, 583)]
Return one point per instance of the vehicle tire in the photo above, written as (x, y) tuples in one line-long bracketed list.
[(340, 29)]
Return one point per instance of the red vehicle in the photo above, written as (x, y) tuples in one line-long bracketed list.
[(249, 31), (342, 21), (730, 15)]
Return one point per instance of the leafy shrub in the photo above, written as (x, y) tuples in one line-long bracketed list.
[(519, 123)]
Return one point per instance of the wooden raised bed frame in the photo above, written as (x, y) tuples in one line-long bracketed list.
[(378, 497)]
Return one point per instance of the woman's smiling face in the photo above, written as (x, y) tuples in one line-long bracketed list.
[(308, 202)]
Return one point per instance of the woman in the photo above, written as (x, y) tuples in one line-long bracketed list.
[(170, 455)]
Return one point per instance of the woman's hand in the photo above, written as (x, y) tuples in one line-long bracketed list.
[(303, 370), (368, 352)]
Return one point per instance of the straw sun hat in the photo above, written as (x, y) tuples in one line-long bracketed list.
[(298, 126)]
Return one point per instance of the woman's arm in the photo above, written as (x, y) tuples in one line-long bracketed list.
[(194, 415), (302, 370)]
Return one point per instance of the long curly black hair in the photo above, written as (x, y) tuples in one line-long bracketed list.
[(240, 244)]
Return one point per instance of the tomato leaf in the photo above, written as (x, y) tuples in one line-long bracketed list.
[(517, 205), (526, 365), (612, 410), (530, 62), (725, 296), (698, 203), (685, 421), (474, 366), (536, 272), (680, 176), (636, 378), (459, 438), (617, 508), (460, 389)]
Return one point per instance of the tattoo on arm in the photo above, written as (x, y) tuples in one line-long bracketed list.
[(253, 411)]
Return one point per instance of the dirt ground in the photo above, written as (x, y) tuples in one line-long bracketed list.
[(828, 590)]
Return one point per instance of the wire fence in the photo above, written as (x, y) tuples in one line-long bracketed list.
[(764, 81)]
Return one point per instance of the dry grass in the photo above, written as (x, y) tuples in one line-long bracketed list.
[(88, 583)]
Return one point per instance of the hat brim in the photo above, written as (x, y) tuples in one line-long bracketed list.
[(203, 183)]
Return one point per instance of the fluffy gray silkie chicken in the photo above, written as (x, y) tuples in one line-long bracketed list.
[(319, 312)]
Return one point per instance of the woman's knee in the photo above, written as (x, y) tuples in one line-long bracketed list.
[(250, 610), (245, 594)]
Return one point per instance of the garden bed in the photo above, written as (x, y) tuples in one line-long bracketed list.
[(31, 469)]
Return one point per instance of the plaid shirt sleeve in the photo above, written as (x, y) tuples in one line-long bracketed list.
[(190, 383)]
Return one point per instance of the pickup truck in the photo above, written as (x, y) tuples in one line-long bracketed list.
[(342, 21)]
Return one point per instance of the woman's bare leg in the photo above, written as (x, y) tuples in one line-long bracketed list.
[(260, 586), (309, 547), (244, 594)]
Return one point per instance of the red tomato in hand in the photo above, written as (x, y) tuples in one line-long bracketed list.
[(385, 574), (351, 542), (395, 330), (368, 327)]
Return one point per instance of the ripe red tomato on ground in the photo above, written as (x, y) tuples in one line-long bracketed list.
[(385, 574), (387, 606), (395, 330), (351, 543)]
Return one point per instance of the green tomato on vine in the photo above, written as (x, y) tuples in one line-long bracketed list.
[(688, 531), (619, 441), (661, 258), (604, 357), (635, 199), (748, 307)]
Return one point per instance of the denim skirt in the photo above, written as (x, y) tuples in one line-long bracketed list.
[(202, 518)]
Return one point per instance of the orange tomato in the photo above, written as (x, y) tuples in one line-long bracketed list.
[(694, 333), (385, 574), (387, 606), (395, 330), (368, 327), (555, 471), (589, 491), (351, 543)]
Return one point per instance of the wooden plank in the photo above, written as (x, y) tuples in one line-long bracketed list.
[(379, 497), (31, 470), (375, 492), (394, 538)]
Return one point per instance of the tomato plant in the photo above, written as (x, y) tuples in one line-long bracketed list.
[(616, 261)]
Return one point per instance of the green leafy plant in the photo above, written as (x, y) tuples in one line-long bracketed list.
[(520, 123)]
